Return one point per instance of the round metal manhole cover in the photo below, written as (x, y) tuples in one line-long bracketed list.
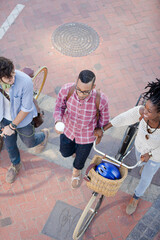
[(75, 39)]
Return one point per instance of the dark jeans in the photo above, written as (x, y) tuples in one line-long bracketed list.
[(28, 137), (69, 147)]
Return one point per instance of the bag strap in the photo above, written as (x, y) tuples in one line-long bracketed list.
[(98, 103), (36, 105), (86, 177), (5, 94), (71, 91)]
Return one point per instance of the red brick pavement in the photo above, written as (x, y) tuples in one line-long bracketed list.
[(128, 53), (29, 201), (127, 58)]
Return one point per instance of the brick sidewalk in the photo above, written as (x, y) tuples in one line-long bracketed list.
[(26, 204), (127, 58)]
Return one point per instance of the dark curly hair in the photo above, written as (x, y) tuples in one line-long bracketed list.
[(6, 67), (153, 93)]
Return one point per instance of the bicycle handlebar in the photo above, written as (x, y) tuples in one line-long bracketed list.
[(115, 160)]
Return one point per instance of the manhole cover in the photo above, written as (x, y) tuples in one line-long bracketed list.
[(75, 39)]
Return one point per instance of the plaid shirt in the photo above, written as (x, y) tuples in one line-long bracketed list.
[(79, 116)]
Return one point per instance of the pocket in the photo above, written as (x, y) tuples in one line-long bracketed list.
[(17, 99), (17, 102)]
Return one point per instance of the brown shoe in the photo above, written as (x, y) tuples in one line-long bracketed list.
[(12, 173), (76, 181), (40, 147), (132, 206)]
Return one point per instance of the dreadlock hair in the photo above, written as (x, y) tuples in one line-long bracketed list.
[(153, 93)]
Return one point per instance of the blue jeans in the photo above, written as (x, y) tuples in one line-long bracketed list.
[(28, 137), (149, 170)]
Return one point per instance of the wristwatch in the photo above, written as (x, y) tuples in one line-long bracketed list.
[(13, 125)]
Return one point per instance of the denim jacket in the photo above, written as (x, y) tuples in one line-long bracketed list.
[(21, 98)]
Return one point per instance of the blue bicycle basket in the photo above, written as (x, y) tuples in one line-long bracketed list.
[(108, 170)]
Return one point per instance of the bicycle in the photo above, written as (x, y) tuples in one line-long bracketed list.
[(39, 79), (97, 197)]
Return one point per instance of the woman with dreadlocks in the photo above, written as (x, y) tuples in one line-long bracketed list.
[(147, 142)]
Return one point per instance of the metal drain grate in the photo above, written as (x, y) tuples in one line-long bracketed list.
[(75, 39)]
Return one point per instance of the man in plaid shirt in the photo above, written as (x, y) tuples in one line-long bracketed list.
[(78, 113)]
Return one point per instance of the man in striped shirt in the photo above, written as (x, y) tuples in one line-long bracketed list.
[(78, 112)]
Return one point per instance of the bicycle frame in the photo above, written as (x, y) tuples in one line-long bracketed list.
[(96, 199)]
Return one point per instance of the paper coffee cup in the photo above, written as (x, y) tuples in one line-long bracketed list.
[(60, 126)]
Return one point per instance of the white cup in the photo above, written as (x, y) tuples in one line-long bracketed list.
[(60, 126)]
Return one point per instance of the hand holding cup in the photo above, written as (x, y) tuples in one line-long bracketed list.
[(59, 127)]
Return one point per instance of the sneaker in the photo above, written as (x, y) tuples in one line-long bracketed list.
[(40, 147), (132, 206), (76, 181), (12, 173)]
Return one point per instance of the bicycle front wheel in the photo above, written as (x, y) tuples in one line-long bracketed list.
[(88, 214), (38, 81)]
